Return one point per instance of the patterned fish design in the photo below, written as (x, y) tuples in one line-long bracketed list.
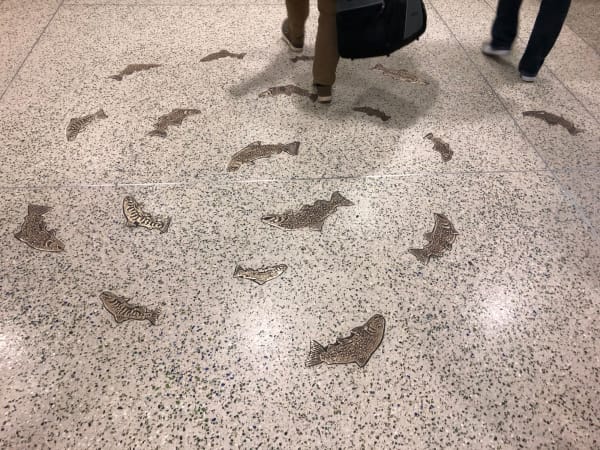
[(256, 150), (399, 74), (262, 275), (288, 90), (553, 119), (136, 217), (309, 216), (295, 59), (372, 112), (222, 54), (174, 118), (133, 68), (78, 124), (122, 310), (35, 233), (356, 348), (440, 240), (441, 147)]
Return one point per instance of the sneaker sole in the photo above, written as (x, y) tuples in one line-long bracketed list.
[(527, 79), (324, 99), (290, 45), (490, 52)]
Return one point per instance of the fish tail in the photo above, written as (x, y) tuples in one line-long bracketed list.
[(37, 210), (314, 355), (153, 316), (233, 166), (160, 133), (292, 148), (428, 136), (340, 200), (116, 77), (420, 254), (101, 114), (238, 270), (166, 224)]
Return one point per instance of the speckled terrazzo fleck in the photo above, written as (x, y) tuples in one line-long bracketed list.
[(469, 343)]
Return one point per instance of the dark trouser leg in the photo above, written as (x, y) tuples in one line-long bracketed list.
[(547, 27), (504, 30), (297, 14), (326, 52)]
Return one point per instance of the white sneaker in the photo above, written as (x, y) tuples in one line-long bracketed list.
[(487, 49), (528, 78)]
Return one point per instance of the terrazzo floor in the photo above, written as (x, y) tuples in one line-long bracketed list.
[(494, 345)]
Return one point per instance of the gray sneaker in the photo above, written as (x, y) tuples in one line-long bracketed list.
[(323, 93), (295, 46), (489, 50)]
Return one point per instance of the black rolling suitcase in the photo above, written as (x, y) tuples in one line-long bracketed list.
[(369, 28)]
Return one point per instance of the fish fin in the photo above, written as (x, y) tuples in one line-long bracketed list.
[(254, 144), (428, 236), (420, 254), (37, 210), (120, 319), (101, 114), (153, 317), (362, 362), (340, 200), (314, 355), (116, 77), (318, 226), (165, 226), (260, 282), (238, 271), (428, 136), (292, 148), (232, 166), (158, 133)]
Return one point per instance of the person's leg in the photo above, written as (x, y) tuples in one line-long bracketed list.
[(326, 51), (293, 26), (547, 27), (504, 30)]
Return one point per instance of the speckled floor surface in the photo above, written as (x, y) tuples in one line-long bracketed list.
[(494, 345)]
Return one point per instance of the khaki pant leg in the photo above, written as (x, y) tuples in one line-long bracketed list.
[(297, 14), (326, 51)]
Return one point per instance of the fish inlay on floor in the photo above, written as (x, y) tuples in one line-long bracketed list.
[(256, 150), (441, 147), (372, 112), (309, 216), (262, 275), (356, 348), (222, 54), (399, 74), (295, 59), (122, 310), (553, 119), (78, 124), (440, 240), (131, 69), (174, 118), (136, 217), (287, 90), (35, 233)]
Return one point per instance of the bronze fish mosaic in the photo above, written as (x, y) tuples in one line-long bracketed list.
[(133, 68), (372, 112), (443, 148), (256, 150), (309, 216), (295, 59), (122, 310), (222, 54), (553, 119), (35, 233), (78, 124), (440, 240), (136, 217), (262, 275), (399, 74), (356, 348), (288, 90), (174, 118)]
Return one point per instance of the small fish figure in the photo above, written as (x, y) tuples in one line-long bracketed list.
[(262, 275), (309, 216), (131, 69), (222, 54), (441, 147), (287, 90), (256, 150), (174, 118), (78, 124), (35, 233), (440, 240), (136, 217), (122, 310), (553, 119), (372, 112), (295, 59), (399, 74), (356, 348)]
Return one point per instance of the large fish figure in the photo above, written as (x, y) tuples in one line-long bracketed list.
[(309, 216), (256, 150), (262, 275), (356, 348), (78, 124), (131, 69), (34, 232), (553, 119), (136, 217), (174, 118), (122, 310), (440, 240)]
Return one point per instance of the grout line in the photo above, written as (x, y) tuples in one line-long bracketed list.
[(547, 66), (564, 192), (190, 5), (30, 51)]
